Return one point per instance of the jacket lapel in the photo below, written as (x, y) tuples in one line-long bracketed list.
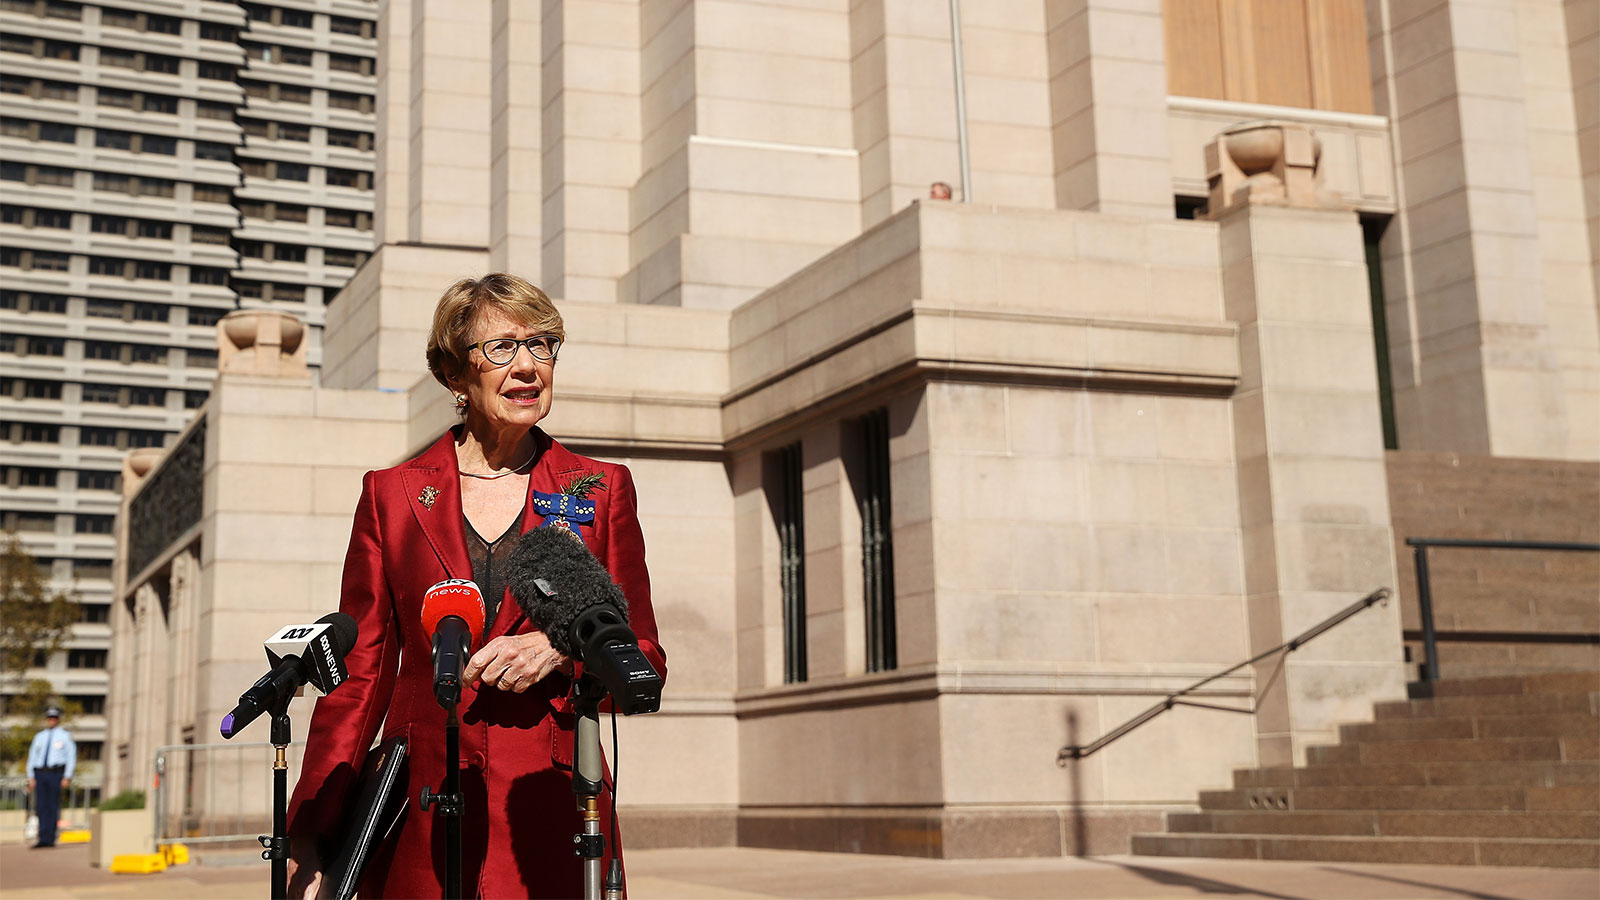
[(433, 489)]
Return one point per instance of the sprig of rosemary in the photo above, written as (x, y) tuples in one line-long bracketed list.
[(581, 485)]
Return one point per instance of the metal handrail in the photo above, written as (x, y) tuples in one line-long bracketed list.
[(1079, 751), (1430, 639)]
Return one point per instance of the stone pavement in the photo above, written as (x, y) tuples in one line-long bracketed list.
[(742, 872)]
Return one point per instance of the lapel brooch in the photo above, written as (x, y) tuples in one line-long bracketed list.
[(428, 496)]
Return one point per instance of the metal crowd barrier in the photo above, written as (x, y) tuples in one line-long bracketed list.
[(216, 793), (16, 804)]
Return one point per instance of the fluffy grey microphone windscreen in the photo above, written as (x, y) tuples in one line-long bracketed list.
[(554, 579), (344, 630)]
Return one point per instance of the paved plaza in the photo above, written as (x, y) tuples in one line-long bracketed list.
[(722, 873)]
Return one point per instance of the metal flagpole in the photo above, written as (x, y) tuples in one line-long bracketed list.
[(961, 101)]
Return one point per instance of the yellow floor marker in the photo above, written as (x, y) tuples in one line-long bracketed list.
[(75, 836), (138, 863), (176, 854)]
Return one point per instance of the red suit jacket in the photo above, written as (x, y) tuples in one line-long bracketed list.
[(516, 749)]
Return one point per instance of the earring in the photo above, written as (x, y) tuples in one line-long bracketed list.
[(461, 402)]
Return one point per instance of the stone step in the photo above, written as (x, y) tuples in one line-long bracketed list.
[(1458, 750), (1346, 848), (1392, 823), (1529, 799), (1562, 723), (1528, 773), (1488, 705), (1548, 682)]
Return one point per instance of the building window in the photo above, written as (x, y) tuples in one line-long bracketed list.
[(213, 151), (88, 659), (89, 524), (213, 31), (93, 613), (101, 393), (294, 56), (345, 25), (216, 72), (869, 478), (211, 193), (787, 499), (89, 480), (205, 109), (344, 100), (28, 476), (92, 704)]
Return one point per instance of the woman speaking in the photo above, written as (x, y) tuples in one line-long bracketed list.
[(456, 511)]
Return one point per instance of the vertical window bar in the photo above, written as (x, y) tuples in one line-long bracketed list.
[(791, 536)]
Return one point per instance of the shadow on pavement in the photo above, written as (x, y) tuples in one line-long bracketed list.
[(1479, 895), (1203, 885)]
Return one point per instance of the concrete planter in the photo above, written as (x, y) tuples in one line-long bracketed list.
[(12, 824), (120, 831)]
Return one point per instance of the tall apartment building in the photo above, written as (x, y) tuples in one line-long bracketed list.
[(163, 164)]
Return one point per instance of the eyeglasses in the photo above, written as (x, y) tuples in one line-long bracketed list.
[(501, 351)]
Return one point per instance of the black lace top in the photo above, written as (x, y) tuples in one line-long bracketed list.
[(489, 566)]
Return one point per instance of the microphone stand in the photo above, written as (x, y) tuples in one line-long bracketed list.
[(450, 805), (277, 844), (588, 776)]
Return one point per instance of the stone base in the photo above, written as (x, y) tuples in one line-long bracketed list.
[(932, 833)]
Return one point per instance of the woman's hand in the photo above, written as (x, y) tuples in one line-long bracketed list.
[(305, 868), (514, 662)]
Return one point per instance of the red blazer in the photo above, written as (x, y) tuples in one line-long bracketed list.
[(516, 749)]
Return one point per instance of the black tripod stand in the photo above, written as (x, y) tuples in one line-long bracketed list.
[(277, 843)]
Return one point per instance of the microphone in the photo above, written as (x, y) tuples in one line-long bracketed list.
[(453, 613), (299, 654), (570, 596)]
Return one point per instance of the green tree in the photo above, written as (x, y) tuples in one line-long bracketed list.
[(27, 709), (33, 619)]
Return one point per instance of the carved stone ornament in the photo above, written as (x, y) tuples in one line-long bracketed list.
[(261, 342), (1265, 161)]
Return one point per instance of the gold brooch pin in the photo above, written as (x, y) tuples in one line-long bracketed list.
[(428, 495)]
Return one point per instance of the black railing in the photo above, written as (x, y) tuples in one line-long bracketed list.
[(1429, 635), (1079, 751)]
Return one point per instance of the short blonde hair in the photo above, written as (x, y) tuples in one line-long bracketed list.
[(463, 302)]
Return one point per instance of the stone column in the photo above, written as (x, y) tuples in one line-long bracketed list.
[(1313, 492), (590, 132), (391, 180), (1473, 359), (1108, 99), (449, 156), (515, 132), (746, 166)]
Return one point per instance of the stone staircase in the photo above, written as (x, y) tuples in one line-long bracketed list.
[(1501, 771)]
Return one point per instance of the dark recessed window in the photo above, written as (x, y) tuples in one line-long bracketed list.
[(213, 151), (88, 659), (87, 524), (152, 143), (113, 97), (150, 228), (89, 480), (61, 134)]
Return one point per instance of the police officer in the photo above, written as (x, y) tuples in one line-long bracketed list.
[(51, 760)]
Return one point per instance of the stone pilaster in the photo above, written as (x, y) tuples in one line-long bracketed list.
[(1474, 361), (448, 158), (515, 133), (1108, 100), (1313, 498)]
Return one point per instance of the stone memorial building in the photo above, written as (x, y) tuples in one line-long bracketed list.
[(933, 488)]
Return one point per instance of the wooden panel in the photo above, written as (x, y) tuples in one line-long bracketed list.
[(1341, 77), (1283, 70), (1194, 48)]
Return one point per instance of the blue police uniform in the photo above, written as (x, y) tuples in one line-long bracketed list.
[(52, 757)]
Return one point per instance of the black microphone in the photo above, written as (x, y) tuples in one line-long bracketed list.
[(571, 597), (299, 654)]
